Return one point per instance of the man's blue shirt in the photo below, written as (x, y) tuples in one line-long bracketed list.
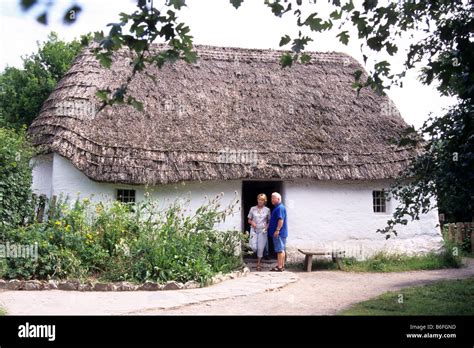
[(278, 213)]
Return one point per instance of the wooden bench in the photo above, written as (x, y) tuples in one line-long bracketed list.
[(308, 260)]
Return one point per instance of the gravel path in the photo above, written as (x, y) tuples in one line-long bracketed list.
[(323, 292), (58, 302), (266, 293)]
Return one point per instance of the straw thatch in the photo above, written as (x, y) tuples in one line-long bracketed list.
[(236, 114)]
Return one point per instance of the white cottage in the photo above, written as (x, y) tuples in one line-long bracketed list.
[(236, 122)]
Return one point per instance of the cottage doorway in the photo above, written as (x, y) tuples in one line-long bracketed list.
[(250, 190)]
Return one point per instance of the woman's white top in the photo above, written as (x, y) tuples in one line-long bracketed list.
[(260, 217)]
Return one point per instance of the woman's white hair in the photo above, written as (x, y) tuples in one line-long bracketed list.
[(277, 195)]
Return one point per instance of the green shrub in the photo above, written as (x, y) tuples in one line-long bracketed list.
[(117, 242), (463, 248)]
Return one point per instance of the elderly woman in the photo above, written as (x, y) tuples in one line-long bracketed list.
[(259, 216)]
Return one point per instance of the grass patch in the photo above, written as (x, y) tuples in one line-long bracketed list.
[(3, 311), (399, 263), (453, 297), (383, 262)]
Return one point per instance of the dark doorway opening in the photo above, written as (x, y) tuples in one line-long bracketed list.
[(250, 191)]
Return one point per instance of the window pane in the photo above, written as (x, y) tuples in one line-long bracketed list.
[(126, 196), (379, 201)]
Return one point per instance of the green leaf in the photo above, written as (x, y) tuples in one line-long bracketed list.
[(305, 58), (116, 28), (190, 56), (107, 43), (86, 40), (316, 23), (105, 60), (344, 37), (124, 17), (138, 64), (286, 60), (361, 23), (369, 5), (167, 31), (119, 94), (336, 15), (27, 4), (300, 43), (357, 74), (138, 45), (102, 94), (140, 30), (135, 103), (382, 66), (98, 36), (374, 43), (277, 9), (285, 40), (43, 18), (391, 48), (236, 3), (177, 4), (348, 7)]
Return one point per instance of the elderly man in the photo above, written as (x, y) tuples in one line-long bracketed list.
[(278, 229)]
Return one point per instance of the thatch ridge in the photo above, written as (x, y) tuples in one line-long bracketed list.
[(213, 121)]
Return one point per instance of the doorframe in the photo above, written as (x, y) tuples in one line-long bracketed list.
[(280, 182)]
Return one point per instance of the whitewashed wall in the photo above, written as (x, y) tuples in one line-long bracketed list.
[(42, 174), (340, 215), (334, 215), (67, 180)]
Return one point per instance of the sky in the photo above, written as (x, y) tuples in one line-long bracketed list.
[(212, 22)]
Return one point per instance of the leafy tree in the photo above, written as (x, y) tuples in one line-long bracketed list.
[(444, 171), (15, 178), (23, 91), (445, 54)]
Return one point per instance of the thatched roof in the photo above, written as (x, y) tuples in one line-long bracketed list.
[(300, 122)]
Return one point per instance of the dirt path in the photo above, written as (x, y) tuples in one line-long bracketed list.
[(322, 292), (266, 293), (58, 302)]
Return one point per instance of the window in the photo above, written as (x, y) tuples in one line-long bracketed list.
[(126, 196), (379, 201)]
